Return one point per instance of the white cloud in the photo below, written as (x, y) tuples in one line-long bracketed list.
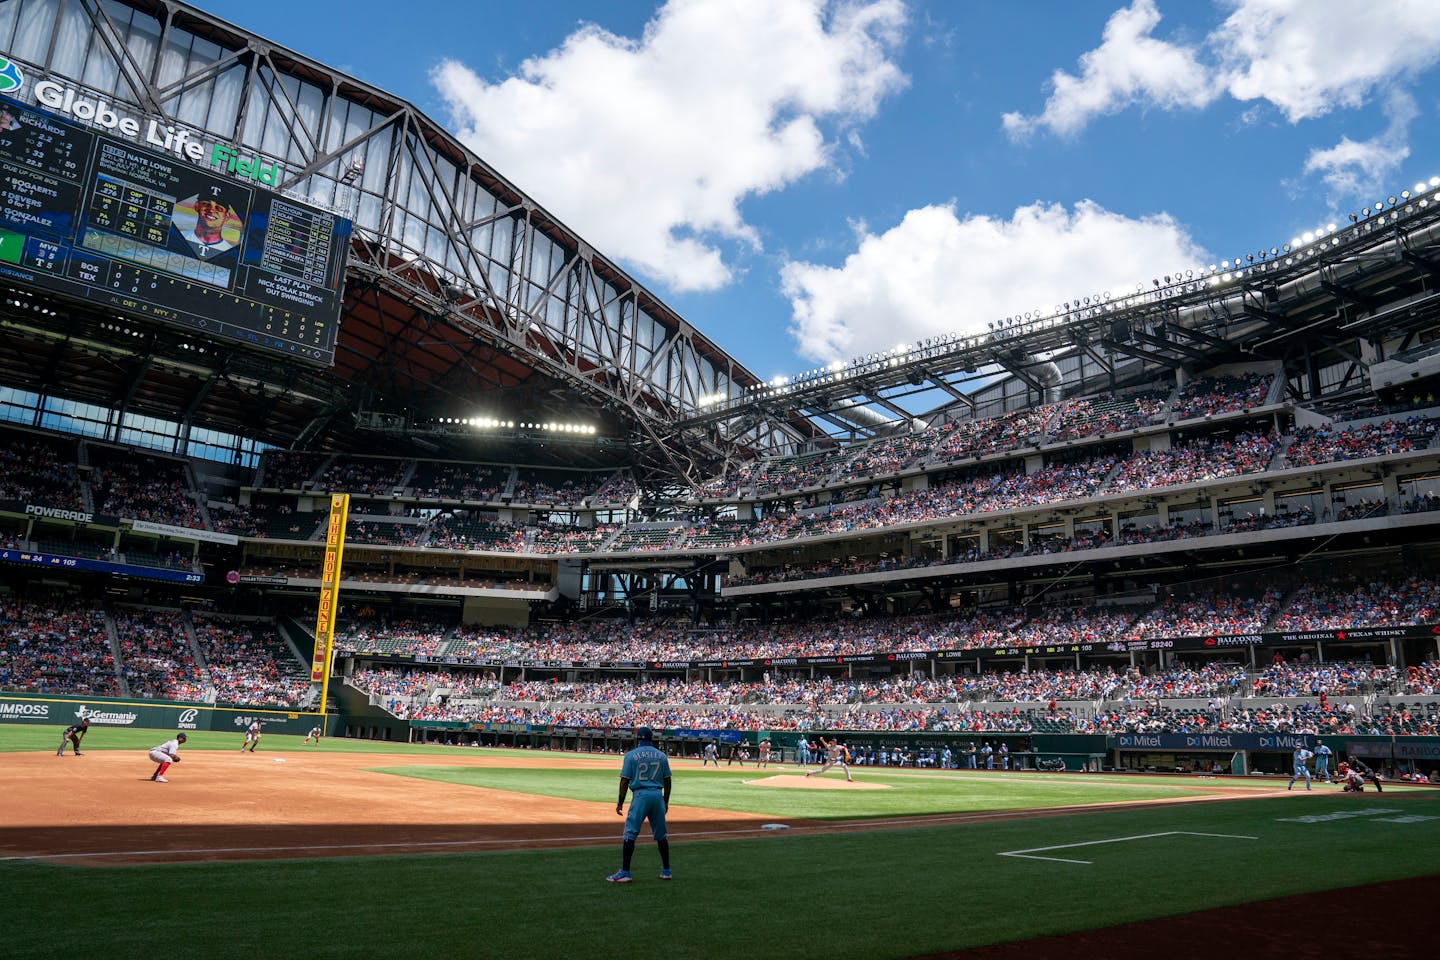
[(936, 272), (647, 147), (1129, 67), (1308, 57), (1304, 57), (1353, 169)]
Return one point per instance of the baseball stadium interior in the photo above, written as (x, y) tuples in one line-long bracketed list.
[(1209, 503)]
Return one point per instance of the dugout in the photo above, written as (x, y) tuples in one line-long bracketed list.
[(1254, 753)]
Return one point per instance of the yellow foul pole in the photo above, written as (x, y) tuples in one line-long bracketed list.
[(329, 597)]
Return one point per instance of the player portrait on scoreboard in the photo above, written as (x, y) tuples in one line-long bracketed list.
[(208, 223), (8, 120)]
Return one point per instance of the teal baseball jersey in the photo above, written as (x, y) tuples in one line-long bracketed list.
[(646, 768)]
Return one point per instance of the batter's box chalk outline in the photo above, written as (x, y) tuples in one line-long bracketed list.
[(1028, 854)]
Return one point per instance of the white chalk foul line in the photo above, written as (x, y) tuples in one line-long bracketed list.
[(1027, 854)]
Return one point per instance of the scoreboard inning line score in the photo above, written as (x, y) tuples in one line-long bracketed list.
[(149, 234)]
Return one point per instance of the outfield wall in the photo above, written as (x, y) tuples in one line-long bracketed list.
[(160, 715)]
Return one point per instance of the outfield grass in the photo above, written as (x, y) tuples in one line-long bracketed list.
[(906, 793), (788, 896)]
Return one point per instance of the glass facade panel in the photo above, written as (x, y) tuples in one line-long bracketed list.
[(142, 34), (74, 40), (72, 416), (8, 14), (155, 433), (34, 23), (18, 406)]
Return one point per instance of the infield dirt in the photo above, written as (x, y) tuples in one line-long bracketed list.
[(102, 808)]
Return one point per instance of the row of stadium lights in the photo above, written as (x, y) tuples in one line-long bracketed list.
[(1299, 248), (32, 307), (490, 423)]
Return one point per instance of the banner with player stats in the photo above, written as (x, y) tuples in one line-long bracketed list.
[(192, 240), (329, 588)]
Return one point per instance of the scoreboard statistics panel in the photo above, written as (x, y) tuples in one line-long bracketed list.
[(154, 235)]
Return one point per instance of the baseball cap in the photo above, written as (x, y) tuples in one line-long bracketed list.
[(181, 737), (644, 733)]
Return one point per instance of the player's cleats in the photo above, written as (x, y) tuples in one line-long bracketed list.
[(79, 754), (665, 873), (161, 780), (620, 876)]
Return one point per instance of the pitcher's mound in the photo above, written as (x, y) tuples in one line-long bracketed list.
[(814, 783)]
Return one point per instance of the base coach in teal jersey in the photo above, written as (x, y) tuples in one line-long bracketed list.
[(646, 774)]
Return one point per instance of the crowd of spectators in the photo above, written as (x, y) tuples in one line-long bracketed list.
[(1194, 462), (374, 635), (1098, 700), (460, 530), (1210, 613), (617, 489), (288, 469), (372, 476), (1326, 444), (549, 488), (473, 482), (1212, 396), (155, 655), (385, 533), (1327, 679), (142, 487), (553, 538), (249, 663), (52, 645), (39, 470), (1351, 602), (1241, 611), (1007, 432), (1083, 417)]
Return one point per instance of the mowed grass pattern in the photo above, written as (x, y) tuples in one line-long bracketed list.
[(790, 895)]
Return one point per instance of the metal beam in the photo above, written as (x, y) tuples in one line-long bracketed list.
[(1140, 354)]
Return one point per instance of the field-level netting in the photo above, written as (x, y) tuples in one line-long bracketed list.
[(965, 877)]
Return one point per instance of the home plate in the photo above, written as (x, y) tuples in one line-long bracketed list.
[(802, 782)]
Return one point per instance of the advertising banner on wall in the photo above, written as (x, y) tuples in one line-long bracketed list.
[(1228, 742), (147, 714)]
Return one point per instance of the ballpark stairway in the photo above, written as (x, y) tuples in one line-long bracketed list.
[(112, 636)]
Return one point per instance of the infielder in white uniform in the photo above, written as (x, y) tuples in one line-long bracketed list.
[(313, 734), (166, 754), (252, 737), (834, 757)]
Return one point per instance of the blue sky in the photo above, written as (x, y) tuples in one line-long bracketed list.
[(807, 181)]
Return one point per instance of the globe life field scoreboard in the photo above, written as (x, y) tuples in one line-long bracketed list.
[(159, 235)]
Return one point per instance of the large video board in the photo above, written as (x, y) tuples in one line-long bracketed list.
[(155, 235)]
